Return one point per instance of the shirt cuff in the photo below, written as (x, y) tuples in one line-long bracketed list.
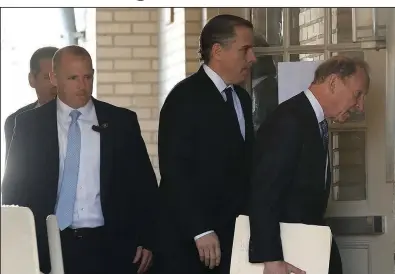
[(203, 234)]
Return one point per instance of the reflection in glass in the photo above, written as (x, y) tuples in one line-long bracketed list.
[(264, 87), (269, 23), (306, 26), (348, 162)]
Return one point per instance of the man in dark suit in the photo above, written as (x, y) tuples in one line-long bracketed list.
[(264, 86), (291, 176), (205, 139), (85, 161), (40, 67)]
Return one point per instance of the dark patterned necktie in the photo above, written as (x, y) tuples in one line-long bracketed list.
[(230, 103), (324, 133), (325, 140)]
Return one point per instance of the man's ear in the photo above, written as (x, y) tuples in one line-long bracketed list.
[(332, 82), (52, 78), (216, 51), (32, 80)]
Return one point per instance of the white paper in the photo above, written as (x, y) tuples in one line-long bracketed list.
[(294, 77), (19, 254), (55, 245), (307, 247)]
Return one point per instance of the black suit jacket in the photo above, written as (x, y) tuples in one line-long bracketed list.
[(204, 160), (127, 181), (288, 179), (265, 96), (10, 124)]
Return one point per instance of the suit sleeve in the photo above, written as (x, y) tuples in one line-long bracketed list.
[(180, 169), (277, 148), (16, 167), (147, 189), (8, 131)]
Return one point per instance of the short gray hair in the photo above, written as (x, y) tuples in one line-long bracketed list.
[(343, 67)]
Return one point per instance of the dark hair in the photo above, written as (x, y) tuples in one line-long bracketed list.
[(40, 54), (74, 50), (342, 66), (220, 29)]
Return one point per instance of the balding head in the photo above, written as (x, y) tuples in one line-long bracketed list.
[(73, 50), (73, 75), (342, 66)]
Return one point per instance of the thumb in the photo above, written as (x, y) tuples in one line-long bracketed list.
[(139, 252), (295, 270)]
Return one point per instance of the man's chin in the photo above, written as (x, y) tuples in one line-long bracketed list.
[(342, 118)]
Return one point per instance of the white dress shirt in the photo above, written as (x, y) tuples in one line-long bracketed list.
[(319, 112), (87, 208), (221, 86)]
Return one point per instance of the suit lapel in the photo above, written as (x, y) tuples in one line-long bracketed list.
[(106, 147), (209, 87), (212, 91), (312, 128), (311, 123)]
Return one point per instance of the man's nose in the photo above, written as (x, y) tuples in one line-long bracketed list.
[(82, 84), (253, 57), (360, 105)]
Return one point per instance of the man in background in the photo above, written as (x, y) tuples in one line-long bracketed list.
[(40, 67), (85, 161), (291, 178), (264, 85)]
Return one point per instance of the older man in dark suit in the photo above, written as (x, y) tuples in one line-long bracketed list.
[(291, 177)]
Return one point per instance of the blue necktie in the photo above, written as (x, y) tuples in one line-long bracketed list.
[(68, 188)]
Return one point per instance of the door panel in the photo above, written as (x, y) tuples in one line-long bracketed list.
[(369, 254)]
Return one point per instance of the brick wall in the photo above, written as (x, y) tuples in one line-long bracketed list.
[(171, 49), (127, 65), (178, 44), (193, 27)]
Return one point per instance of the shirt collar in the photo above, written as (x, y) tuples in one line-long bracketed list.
[(64, 110), (217, 80), (319, 112)]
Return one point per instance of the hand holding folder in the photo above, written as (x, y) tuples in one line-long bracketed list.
[(307, 247)]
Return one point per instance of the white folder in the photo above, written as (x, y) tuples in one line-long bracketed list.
[(307, 247)]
